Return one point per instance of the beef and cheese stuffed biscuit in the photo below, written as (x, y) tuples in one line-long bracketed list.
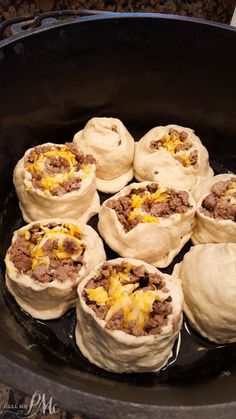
[(53, 180), (113, 147), (45, 263), (148, 221), (128, 316), (216, 210), (208, 276), (171, 154)]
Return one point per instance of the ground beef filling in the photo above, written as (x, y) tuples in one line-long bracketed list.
[(130, 299), (56, 164), (148, 204), (177, 144), (56, 168), (48, 253), (221, 202)]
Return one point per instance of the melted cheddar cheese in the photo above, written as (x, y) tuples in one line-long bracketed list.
[(169, 142), (60, 233), (136, 304), (230, 195), (49, 182), (136, 201)]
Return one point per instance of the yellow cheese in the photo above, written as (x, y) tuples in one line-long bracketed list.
[(171, 142), (87, 169), (36, 251), (185, 159), (49, 182), (62, 152), (73, 229), (99, 295), (8, 266), (27, 235), (60, 254), (66, 229), (134, 214), (149, 219), (136, 201), (135, 304), (36, 254), (114, 283), (142, 306), (128, 268), (124, 303), (160, 195)]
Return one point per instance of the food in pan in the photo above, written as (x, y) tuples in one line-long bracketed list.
[(53, 180), (171, 155), (148, 221), (216, 210), (128, 316), (209, 285), (113, 146), (47, 260)]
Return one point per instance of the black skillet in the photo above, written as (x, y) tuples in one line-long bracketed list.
[(147, 70)]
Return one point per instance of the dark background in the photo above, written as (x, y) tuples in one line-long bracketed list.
[(220, 11)]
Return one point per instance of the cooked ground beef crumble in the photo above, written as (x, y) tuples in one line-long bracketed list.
[(221, 202), (55, 168), (127, 311), (177, 144), (147, 204), (50, 252)]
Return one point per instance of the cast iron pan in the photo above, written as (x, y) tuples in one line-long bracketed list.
[(146, 70)]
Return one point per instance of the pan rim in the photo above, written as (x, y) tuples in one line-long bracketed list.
[(119, 16), (88, 402)]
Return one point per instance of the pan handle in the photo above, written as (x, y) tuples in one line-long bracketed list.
[(20, 24)]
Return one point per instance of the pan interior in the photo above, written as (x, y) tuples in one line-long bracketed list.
[(57, 91)]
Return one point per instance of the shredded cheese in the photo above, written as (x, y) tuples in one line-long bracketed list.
[(136, 304), (99, 295), (149, 219), (49, 182), (170, 142), (136, 202), (60, 233)]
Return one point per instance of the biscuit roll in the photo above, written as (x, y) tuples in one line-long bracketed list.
[(171, 155), (53, 180), (129, 316), (111, 144), (45, 263), (148, 221)]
